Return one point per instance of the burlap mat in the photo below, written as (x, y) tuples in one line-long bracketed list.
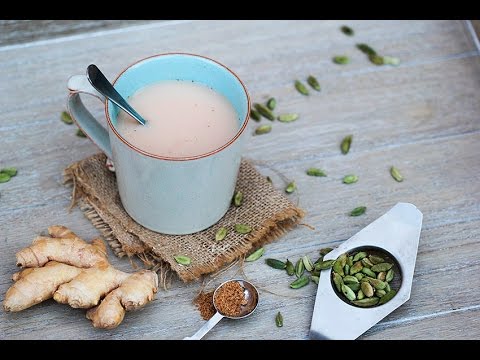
[(265, 209)]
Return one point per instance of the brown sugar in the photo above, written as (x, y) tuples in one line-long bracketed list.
[(230, 298), (204, 302)]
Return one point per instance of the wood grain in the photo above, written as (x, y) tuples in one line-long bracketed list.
[(422, 116)]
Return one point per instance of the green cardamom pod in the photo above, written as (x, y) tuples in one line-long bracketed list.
[(357, 267), (350, 261), (367, 50), (349, 279), (324, 265), (380, 293), (299, 268), (255, 115), (269, 179), (338, 281), (376, 59), (242, 228), (315, 172), (346, 269), (348, 293), (290, 268), (360, 295), (300, 282), (367, 302), (359, 276), (387, 288), (291, 187), (257, 254), (276, 264), (350, 179), (313, 82), (182, 260), (307, 263), (10, 171), (358, 211), (341, 59), (279, 320), (301, 88), (367, 289), (288, 117), (347, 30), (375, 259), (319, 260), (263, 129), (396, 174), (381, 267), (221, 233), (237, 198), (340, 264), (264, 111), (355, 287), (367, 263), (315, 273), (377, 284), (271, 103), (368, 272), (390, 60), (359, 256), (325, 251), (4, 177), (381, 275), (66, 118), (345, 144), (386, 298), (315, 279), (390, 275), (80, 133)]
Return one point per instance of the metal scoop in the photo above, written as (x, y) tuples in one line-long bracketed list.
[(251, 296)]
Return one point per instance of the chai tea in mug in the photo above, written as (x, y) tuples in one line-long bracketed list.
[(184, 118)]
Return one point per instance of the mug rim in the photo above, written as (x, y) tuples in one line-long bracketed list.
[(181, 158)]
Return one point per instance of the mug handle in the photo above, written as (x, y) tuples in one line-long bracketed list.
[(77, 85)]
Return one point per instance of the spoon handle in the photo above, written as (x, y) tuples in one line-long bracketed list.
[(103, 86), (206, 327)]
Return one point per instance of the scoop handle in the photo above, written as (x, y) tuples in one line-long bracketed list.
[(206, 327)]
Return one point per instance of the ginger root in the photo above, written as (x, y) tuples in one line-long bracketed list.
[(77, 273)]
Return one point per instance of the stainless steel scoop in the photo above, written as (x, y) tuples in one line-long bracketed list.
[(397, 232)]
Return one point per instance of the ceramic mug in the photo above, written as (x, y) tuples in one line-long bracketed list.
[(170, 195)]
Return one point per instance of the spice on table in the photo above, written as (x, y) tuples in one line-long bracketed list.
[(313, 82), (358, 211), (80, 133), (347, 30), (204, 303), (396, 174), (346, 143), (315, 172), (66, 118), (271, 103), (288, 117), (237, 198), (182, 260), (230, 298), (279, 319), (301, 88), (263, 129), (221, 233), (291, 187), (264, 111), (255, 115), (341, 59), (257, 254), (350, 179), (367, 50), (242, 228)]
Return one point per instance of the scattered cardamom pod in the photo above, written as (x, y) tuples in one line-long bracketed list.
[(376, 59), (80, 133), (4, 177), (315, 279), (324, 265), (286, 118), (381, 267), (367, 50), (381, 275), (221, 233), (313, 82), (300, 282), (182, 260), (307, 263), (279, 319), (350, 179), (367, 302), (396, 174), (325, 251), (299, 268), (389, 60), (66, 118), (338, 281), (341, 59), (380, 293), (263, 129), (276, 264), (368, 272), (345, 144), (386, 298), (242, 228), (349, 279), (255, 115), (348, 293), (367, 289), (291, 187), (390, 275), (359, 256), (358, 211), (271, 103), (237, 198), (290, 268), (301, 88), (11, 171), (257, 254), (356, 268), (315, 172), (347, 30), (264, 111), (269, 179), (375, 259)]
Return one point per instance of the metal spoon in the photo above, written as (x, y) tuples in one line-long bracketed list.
[(251, 295), (103, 86)]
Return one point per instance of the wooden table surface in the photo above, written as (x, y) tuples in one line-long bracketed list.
[(422, 116)]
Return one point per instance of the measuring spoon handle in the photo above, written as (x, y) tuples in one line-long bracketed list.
[(206, 327)]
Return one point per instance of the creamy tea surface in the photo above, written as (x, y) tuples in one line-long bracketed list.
[(184, 118)]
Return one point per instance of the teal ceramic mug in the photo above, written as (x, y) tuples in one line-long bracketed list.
[(168, 195)]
